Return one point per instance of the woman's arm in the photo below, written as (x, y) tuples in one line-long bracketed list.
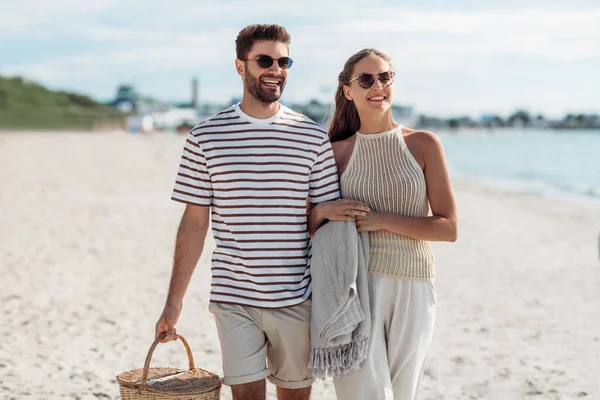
[(442, 225), (335, 210)]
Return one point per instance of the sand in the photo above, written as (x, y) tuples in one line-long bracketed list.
[(86, 240)]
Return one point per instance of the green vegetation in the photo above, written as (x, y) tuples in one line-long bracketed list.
[(28, 105)]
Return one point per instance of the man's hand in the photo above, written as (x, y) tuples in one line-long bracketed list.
[(373, 221), (167, 321), (341, 210)]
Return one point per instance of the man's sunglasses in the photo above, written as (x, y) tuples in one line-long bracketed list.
[(267, 61), (366, 80)]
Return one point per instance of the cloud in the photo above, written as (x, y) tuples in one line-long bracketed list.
[(437, 53), (566, 35), (32, 13)]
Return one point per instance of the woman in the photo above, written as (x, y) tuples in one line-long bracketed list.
[(399, 174)]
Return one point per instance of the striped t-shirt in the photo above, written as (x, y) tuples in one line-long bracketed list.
[(256, 175)]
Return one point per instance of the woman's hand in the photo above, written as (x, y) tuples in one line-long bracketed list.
[(373, 221), (341, 210)]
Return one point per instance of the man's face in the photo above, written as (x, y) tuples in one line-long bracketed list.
[(265, 84)]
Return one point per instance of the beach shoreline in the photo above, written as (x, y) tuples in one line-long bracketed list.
[(86, 254)]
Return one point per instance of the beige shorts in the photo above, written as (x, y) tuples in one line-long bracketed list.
[(257, 343)]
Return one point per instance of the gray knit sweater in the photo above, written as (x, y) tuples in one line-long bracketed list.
[(341, 318)]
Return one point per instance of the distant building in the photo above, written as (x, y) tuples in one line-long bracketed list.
[(404, 115), (127, 99), (140, 124), (323, 112), (235, 100), (491, 121), (318, 112), (154, 115), (195, 104), (175, 118)]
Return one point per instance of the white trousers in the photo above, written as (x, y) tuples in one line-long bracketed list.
[(402, 321)]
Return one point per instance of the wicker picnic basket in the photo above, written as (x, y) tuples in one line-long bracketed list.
[(169, 383)]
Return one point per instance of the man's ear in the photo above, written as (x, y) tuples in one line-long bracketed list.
[(240, 67)]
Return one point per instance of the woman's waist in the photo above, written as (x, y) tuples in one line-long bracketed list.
[(392, 243)]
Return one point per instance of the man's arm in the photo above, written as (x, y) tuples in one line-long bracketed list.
[(188, 248), (340, 209)]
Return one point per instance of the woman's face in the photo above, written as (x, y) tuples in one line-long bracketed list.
[(376, 98)]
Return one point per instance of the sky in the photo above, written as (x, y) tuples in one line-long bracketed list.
[(451, 57)]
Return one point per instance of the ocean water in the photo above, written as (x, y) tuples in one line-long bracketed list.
[(547, 162)]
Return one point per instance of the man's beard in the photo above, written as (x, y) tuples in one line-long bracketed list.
[(254, 88)]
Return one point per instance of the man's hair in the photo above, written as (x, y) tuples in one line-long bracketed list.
[(253, 33)]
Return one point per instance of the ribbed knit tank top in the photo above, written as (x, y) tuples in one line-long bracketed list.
[(383, 174)]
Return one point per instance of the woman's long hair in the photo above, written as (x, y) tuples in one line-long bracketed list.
[(345, 121)]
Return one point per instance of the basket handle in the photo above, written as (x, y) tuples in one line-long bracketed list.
[(151, 350)]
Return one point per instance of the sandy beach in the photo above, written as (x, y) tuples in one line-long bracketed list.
[(86, 241)]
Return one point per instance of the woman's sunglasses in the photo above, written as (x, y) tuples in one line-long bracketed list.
[(366, 80), (267, 61)]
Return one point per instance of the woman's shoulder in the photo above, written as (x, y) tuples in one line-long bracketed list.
[(420, 138), (343, 145), (342, 151), (418, 134), (424, 145)]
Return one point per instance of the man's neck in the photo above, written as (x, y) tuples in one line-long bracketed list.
[(258, 109)]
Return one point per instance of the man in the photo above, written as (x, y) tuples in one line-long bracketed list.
[(252, 167)]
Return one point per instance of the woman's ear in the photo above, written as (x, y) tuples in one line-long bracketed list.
[(347, 93)]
